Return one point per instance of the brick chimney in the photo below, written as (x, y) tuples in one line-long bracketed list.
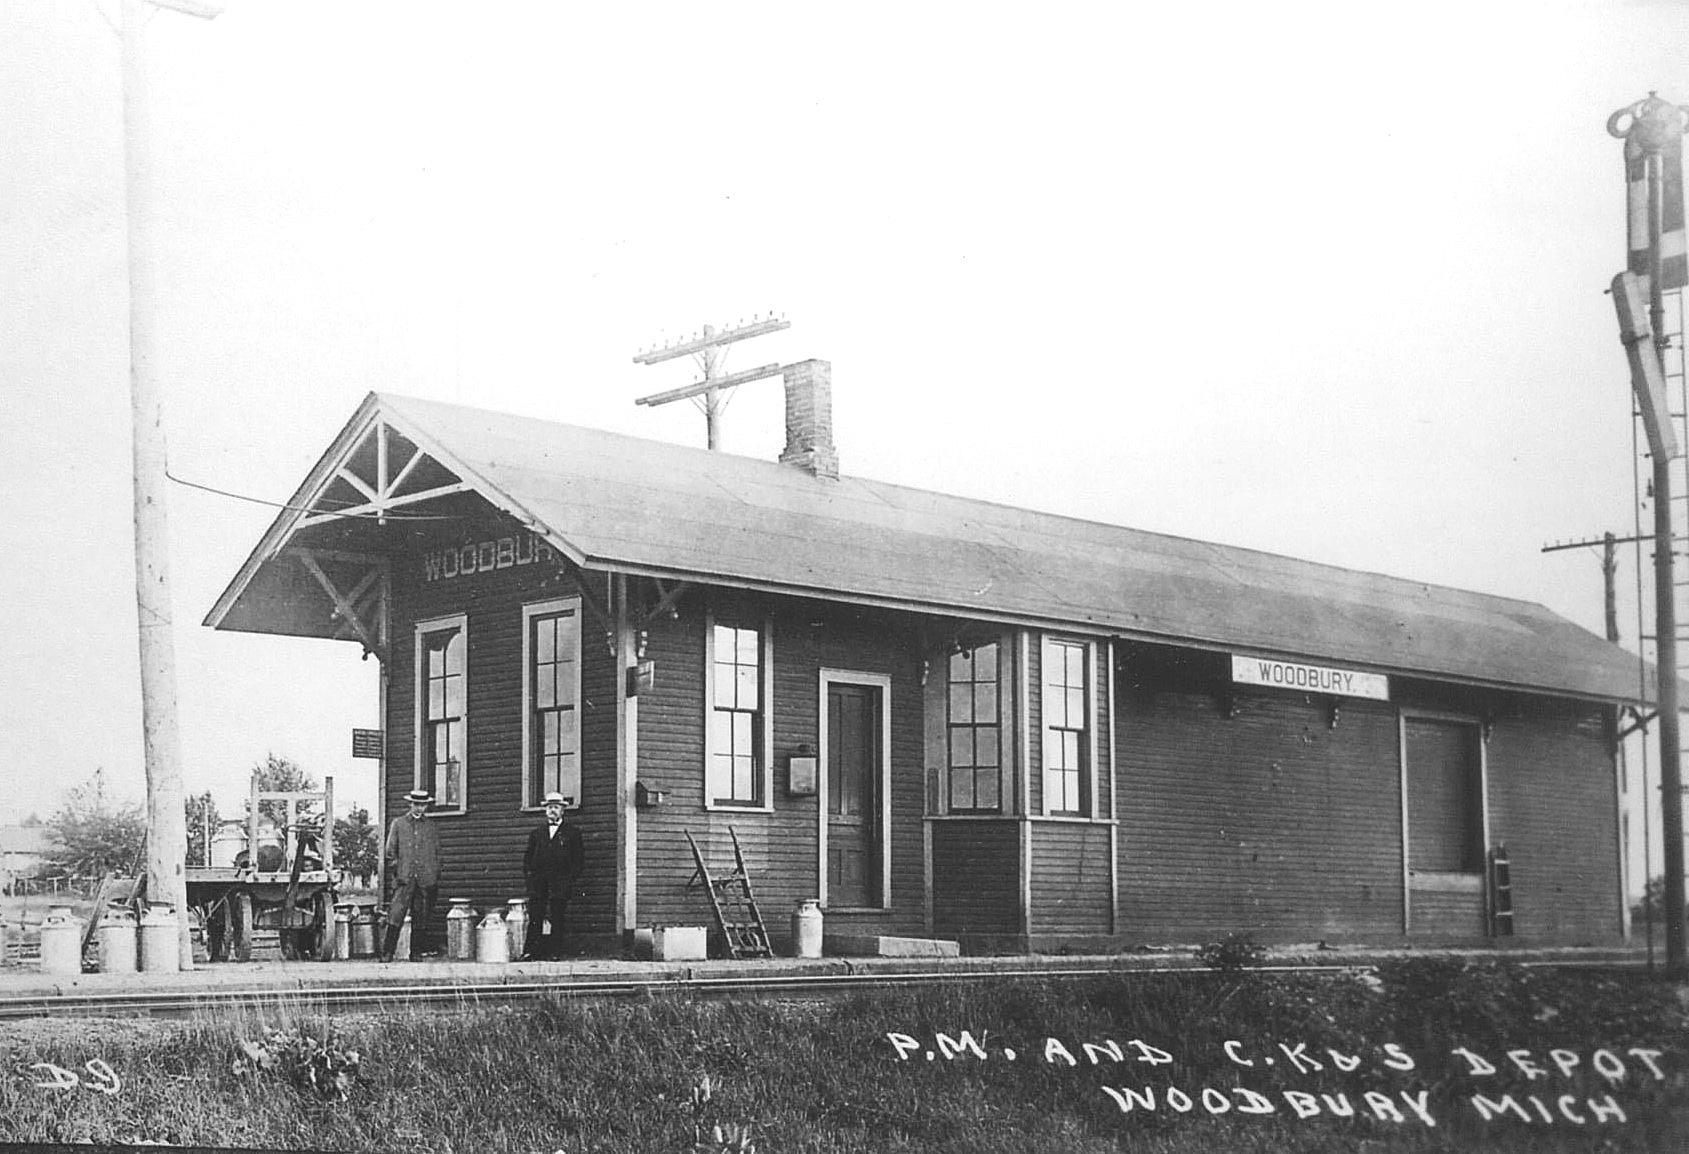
[(809, 418)]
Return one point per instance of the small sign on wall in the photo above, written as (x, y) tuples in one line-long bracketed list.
[(641, 677), (1309, 678), (366, 743)]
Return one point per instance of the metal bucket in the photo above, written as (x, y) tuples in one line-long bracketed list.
[(119, 949), (492, 939), (460, 932), (161, 947), (61, 942)]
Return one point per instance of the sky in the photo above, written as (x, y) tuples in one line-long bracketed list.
[(1324, 280)]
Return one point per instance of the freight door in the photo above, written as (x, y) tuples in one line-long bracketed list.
[(1444, 822), (854, 833)]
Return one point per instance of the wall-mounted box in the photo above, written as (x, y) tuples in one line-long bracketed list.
[(803, 773)]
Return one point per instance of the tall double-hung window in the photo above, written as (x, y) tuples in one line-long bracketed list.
[(974, 731), (442, 709), (1067, 724), (551, 741), (737, 763)]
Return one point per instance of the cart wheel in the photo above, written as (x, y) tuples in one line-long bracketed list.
[(225, 919)]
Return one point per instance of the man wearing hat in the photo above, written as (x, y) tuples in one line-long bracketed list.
[(551, 864), (413, 854)]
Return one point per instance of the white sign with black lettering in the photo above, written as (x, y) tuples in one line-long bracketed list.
[(1311, 678)]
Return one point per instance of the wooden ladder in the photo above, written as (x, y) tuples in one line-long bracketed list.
[(1501, 893), (736, 912)]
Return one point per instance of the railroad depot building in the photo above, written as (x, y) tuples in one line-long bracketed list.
[(941, 717)]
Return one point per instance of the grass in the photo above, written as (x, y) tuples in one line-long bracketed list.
[(664, 1074)]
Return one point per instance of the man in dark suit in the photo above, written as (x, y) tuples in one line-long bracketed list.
[(551, 864)]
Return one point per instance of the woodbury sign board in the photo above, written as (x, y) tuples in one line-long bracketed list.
[(1276, 674)]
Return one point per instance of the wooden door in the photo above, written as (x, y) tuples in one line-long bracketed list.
[(853, 796)]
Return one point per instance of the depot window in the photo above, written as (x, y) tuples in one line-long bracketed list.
[(1067, 727), (551, 740), (737, 771), (442, 710), (974, 754)]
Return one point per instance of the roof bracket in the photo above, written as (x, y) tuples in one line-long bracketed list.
[(668, 601), (364, 607)]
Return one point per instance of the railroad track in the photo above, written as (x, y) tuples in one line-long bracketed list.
[(186, 1003)]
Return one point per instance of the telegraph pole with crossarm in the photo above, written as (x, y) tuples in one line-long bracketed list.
[(706, 349)]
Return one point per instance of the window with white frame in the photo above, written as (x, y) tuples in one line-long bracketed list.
[(974, 731), (442, 709), (1066, 728), (736, 761), (551, 740)]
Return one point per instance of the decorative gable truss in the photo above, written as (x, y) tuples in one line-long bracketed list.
[(378, 474), (383, 470)]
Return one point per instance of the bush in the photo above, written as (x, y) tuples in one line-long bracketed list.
[(316, 1064), (1233, 952)]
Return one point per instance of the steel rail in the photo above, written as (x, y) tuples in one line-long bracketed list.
[(180, 1002), (171, 1002)]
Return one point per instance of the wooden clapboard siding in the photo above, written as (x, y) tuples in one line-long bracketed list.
[(1269, 822), (671, 758), (1070, 877), (1035, 722), (1552, 803), (1447, 918), (781, 847), (976, 877), (482, 848)]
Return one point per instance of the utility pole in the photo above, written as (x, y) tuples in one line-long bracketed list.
[(1609, 543), (706, 349), (167, 833), (1652, 130)]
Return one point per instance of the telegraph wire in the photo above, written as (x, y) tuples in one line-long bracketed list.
[(312, 509)]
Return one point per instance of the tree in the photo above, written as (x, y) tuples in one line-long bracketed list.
[(94, 833), (279, 775), (357, 846), (203, 820), (1652, 907)]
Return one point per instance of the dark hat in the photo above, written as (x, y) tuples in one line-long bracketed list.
[(421, 795)]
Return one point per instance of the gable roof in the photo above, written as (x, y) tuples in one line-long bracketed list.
[(614, 502)]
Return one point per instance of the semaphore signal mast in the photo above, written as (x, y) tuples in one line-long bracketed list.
[(1658, 261), (706, 349)]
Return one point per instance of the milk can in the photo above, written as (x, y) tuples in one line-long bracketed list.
[(492, 940), (118, 947), (806, 930), (161, 948), (227, 843), (343, 915), (61, 942), (365, 923), (460, 932), (516, 926)]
